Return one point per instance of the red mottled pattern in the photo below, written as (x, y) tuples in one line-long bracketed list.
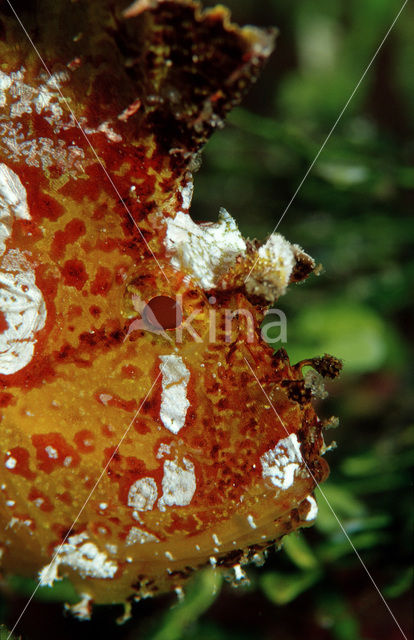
[(52, 452), (94, 240)]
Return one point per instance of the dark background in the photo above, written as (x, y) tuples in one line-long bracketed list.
[(353, 214)]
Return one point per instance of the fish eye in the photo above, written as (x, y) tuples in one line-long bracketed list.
[(162, 312)]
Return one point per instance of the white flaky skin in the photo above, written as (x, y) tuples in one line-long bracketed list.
[(206, 250), (272, 269), (178, 484), (13, 203), (79, 554), (174, 401), (21, 302), (282, 464)]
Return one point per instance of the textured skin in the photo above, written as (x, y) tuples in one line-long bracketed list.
[(89, 376)]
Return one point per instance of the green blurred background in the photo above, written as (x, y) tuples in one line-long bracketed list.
[(353, 214)]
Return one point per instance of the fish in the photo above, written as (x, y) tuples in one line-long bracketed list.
[(148, 426)]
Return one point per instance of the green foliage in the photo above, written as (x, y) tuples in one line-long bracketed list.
[(180, 621), (5, 634), (61, 591), (283, 588), (336, 615), (351, 331)]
